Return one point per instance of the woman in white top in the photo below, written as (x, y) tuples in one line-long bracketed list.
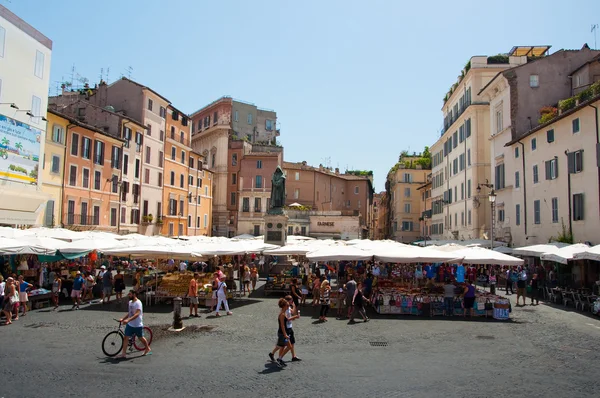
[(222, 297)]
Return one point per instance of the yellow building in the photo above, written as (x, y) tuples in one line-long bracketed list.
[(53, 167)]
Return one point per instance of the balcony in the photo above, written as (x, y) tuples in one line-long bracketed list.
[(81, 219), (449, 121), (179, 139)]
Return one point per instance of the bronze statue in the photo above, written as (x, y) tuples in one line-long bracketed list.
[(277, 191)]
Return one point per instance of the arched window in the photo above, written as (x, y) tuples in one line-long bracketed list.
[(234, 159)]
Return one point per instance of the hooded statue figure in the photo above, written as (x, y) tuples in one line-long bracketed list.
[(278, 189)]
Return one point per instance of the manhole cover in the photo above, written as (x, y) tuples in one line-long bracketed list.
[(378, 343), (486, 337)]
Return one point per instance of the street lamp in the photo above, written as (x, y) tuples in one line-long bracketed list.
[(492, 199)]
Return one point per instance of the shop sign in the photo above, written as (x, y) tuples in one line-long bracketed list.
[(19, 151), (325, 223)]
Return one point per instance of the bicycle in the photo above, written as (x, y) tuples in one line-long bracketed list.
[(113, 341)]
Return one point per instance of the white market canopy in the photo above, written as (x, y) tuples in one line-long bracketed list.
[(338, 253), (591, 253), (479, 255), (538, 250), (470, 242), (415, 254), (565, 254)]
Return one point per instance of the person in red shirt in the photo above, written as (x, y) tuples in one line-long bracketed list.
[(442, 272)]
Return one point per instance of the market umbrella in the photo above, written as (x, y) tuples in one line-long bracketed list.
[(565, 254), (416, 254), (55, 233), (339, 253), (87, 245), (503, 249), (538, 250), (13, 233), (40, 245), (479, 255), (591, 253)]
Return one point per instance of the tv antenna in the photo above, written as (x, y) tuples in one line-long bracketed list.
[(129, 72), (594, 30)]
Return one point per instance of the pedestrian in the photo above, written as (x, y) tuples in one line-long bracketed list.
[(90, 281), (76, 290), (358, 302), (222, 298), (107, 285), (253, 276), (215, 284), (182, 267), (509, 283), (449, 293), (522, 287), (534, 289), (193, 295), (325, 300), (2, 287), (247, 279), (469, 298), (350, 290), (340, 303), (134, 321), (119, 285), (283, 339), (316, 288), (291, 313), (56, 288), (11, 298), (23, 297)]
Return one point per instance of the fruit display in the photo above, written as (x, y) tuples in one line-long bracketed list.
[(176, 284)]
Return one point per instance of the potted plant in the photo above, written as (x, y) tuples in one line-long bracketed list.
[(159, 221)]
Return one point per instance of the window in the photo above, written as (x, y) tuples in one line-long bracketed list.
[(159, 210), (39, 65), (468, 189), (171, 229), (455, 166), (198, 222), (575, 125), (578, 207), (172, 178), (86, 148), (183, 157), (73, 176), (469, 217), (462, 218), (115, 184), (181, 181), (297, 176), (461, 134), (455, 139), (163, 112), (554, 210), (160, 179), (145, 208), (468, 124), (148, 155), (407, 208), (190, 180), (257, 205), (575, 161), (462, 191), (269, 125), (234, 159), (259, 164), (138, 141), (249, 118), (75, 144), (536, 212), (517, 182), (518, 214), (550, 135), (206, 190), (236, 116), (172, 207), (552, 169), (215, 118), (58, 134), (55, 164), (173, 153), (191, 164), (115, 159), (149, 104), (533, 144), (213, 160), (99, 152), (126, 136), (406, 192), (517, 152), (500, 181), (85, 182), (406, 178), (146, 176), (259, 182), (498, 121), (97, 180), (534, 81), (468, 157), (161, 135), (136, 173), (232, 199), (246, 205), (296, 193), (535, 174), (407, 225), (175, 115), (290, 230), (189, 221), (501, 215), (161, 156), (205, 220), (2, 37)]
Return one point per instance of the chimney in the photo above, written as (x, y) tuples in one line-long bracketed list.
[(304, 163), (337, 171), (320, 167)]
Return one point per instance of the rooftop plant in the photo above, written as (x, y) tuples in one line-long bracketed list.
[(566, 104), (547, 113), (498, 59)]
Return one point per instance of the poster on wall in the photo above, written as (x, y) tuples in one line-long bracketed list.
[(19, 151)]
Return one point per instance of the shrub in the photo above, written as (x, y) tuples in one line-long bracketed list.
[(585, 95), (546, 117), (567, 104)]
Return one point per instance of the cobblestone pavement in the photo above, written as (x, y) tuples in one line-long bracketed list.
[(543, 351)]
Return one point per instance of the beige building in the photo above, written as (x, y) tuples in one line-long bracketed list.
[(461, 156), (425, 199), (53, 168)]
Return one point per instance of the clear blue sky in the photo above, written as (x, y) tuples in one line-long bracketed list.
[(354, 81)]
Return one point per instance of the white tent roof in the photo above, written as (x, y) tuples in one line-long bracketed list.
[(89, 244), (56, 233), (503, 249), (244, 236), (591, 253), (470, 242), (338, 253), (565, 254), (40, 245), (538, 250), (8, 232), (415, 254), (479, 255)]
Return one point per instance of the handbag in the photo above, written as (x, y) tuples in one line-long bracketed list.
[(392, 301), (488, 305), (399, 301)]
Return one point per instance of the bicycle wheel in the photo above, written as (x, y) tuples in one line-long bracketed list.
[(147, 332), (112, 343)]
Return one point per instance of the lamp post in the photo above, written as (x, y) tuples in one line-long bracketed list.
[(492, 199)]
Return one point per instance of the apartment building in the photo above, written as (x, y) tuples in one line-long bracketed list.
[(425, 220), (178, 183), (212, 127), (526, 164), (53, 168), (200, 201), (25, 56), (405, 201), (461, 156), (90, 195)]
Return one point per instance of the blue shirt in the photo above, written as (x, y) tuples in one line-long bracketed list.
[(460, 273), (23, 287), (77, 283), (430, 271), (368, 282)]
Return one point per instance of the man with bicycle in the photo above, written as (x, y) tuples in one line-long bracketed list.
[(135, 324)]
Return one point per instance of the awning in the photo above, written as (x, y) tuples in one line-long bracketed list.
[(21, 206)]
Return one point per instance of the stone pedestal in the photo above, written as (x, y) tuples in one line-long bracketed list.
[(276, 229)]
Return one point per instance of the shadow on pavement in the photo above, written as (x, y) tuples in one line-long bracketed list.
[(270, 368)]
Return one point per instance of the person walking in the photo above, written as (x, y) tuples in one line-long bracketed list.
[(469, 298), (134, 321), (193, 295), (291, 313), (350, 292), (107, 285), (119, 285), (449, 293), (222, 298), (283, 339), (90, 281), (247, 279), (76, 290), (253, 276), (358, 302), (2, 288), (522, 287), (56, 288), (316, 289), (295, 292), (325, 300), (534, 289), (23, 297), (11, 297), (509, 282), (340, 303)]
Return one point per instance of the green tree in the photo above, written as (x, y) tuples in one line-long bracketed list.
[(5, 141), (19, 146)]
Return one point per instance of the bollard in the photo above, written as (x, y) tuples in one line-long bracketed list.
[(177, 322)]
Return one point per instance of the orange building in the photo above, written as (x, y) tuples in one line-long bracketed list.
[(93, 168), (178, 183)]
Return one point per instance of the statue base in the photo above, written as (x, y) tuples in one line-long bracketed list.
[(276, 228)]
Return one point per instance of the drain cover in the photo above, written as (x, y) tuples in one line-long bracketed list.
[(378, 343), (486, 337)]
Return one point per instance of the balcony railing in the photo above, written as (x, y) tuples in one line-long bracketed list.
[(180, 139), (81, 219), (450, 121)]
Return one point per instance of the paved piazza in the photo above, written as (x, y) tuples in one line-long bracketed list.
[(543, 351)]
